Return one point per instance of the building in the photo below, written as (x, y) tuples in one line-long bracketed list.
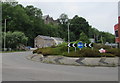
[(57, 40), (117, 32), (46, 41), (47, 20), (92, 40)]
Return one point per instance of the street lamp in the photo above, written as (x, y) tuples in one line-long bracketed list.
[(5, 35), (68, 37)]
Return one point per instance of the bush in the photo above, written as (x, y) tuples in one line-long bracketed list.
[(48, 51), (114, 51), (87, 52), (99, 46), (35, 51), (84, 52), (53, 46), (73, 54), (107, 55)]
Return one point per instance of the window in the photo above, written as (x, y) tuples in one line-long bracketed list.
[(116, 33)]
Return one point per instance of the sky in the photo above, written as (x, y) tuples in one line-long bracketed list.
[(101, 14)]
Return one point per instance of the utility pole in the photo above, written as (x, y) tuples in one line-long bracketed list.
[(5, 35), (68, 37), (102, 39)]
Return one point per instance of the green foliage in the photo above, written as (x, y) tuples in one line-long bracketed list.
[(14, 39), (107, 55), (83, 37), (29, 21), (79, 25), (63, 18), (84, 52), (107, 37), (47, 51), (99, 46), (114, 51)]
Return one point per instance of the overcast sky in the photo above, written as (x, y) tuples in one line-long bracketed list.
[(100, 15)]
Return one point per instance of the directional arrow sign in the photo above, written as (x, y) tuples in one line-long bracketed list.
[(74, 45), (85, 45), (88, 45), (71, 44), (68, 44), (80, 45), (91, 45)]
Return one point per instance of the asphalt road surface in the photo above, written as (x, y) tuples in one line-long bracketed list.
[(15, 67)]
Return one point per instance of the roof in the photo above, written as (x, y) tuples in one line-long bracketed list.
[(45, 37), (44, 17), (50, 38), (58, 39)]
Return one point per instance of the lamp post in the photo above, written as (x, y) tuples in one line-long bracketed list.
[(68, 37), (5, 35)]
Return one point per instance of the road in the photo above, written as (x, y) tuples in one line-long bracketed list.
[(15, 67)]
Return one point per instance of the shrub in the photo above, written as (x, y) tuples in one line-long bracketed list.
[(89, 52), (48, 51), (35, 51), (107, 55), (39, 51), (73, 54), (53, 46), (84, 52), (98, 46), (114, 51)]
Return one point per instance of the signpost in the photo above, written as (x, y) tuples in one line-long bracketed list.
[(74, 45), (80, 45)]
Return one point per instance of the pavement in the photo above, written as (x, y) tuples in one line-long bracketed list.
[(15, 67)]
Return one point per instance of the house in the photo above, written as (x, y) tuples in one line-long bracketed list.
[(43, 41), (47, 20), (57, 40), (46, 41)]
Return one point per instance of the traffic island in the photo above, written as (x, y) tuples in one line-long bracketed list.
[(82, 61)]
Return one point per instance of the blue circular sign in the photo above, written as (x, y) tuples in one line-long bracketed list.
[(80, 45)]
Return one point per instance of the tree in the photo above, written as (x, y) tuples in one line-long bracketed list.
[(106, 37), (79, 25), (15, 39), (83, 37), (63, 18), (33, 11)]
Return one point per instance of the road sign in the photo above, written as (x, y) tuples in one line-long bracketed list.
[(70, 44), (80, 45), (74, 44), (85, 45), (91, 45), (88, 45)]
